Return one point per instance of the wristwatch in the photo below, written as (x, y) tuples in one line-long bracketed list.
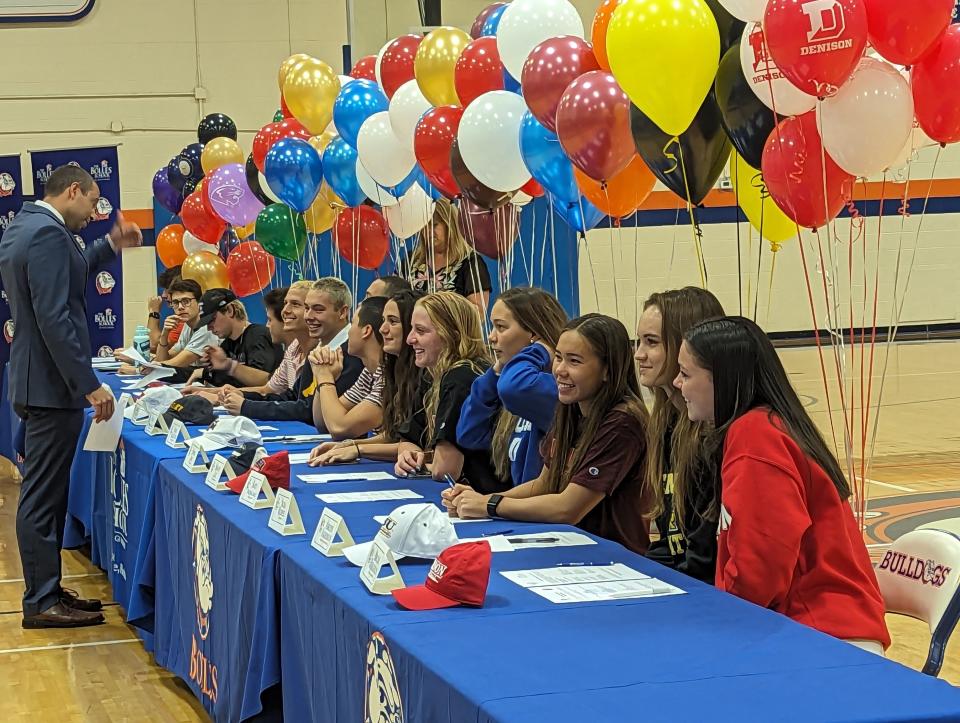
[(492, 502), (154, 315)]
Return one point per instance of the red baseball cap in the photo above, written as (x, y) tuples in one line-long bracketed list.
[(458, 576), (276, 468)]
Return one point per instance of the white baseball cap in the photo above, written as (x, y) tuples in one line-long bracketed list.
[(228, 432), (159, 399), (417, 530)]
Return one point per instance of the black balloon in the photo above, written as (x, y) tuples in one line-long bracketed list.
[(253, 180), (471, 188), (730, 28), (702, 150), (746, 120), (216, 125), (186, 166), (177, 179)]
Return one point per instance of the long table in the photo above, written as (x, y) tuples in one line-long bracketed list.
[(236, 610)]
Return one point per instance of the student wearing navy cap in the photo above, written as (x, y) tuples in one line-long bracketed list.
[(246, 355)]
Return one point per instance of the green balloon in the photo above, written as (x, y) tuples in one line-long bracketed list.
[(278, 116), (282, 232)]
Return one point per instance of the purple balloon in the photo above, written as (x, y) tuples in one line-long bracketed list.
[(166, 195), (231, 197)]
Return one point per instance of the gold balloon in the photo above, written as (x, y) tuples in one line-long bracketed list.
[(309, 90), (321, 216), (434, 64), (287, 65), (320, 142), (206, 269), (220, 152), (244, 232)]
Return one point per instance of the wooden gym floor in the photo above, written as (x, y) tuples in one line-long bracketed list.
[(103, 674)]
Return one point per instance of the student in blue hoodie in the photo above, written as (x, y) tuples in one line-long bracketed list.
[(511, 405)]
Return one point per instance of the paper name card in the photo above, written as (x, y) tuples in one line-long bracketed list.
[(285, 516), (299, 458), (177, 435), (379, 556), (344, 477), (219, 466), (196, 460), (368, 496), (331, 535), (156, 424), (139, 415), (124, 399), (257, 493)]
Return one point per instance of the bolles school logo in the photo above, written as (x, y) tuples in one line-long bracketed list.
[(105, 283), (101, 172), (230, 194), (105, 319), (103, 210), (105, 352), (43, 174), (382, 703), (6, 220), (7, 185), (202, 671), (8, 328), (927, 572)]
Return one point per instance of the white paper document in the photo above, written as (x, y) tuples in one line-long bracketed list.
[(154, 375), (343, 476), (590, 583), (133, 353), (369, 496), (105, 436), (299, 457), (498, 543)]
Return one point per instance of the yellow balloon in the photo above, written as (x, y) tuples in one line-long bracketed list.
[(757, 204), (665, 56), (287, 65), (320, 142), (309, 90), (321, 215), (220, 152), (434, 64), (247, 231), (206, 269)]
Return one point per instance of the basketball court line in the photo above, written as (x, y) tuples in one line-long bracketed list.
[(901, 488), (64, 577), (67, 646)]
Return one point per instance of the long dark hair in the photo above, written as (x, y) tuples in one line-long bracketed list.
[(401, 377), (539, 313), (747, 373), (679, 309), (572, 433)]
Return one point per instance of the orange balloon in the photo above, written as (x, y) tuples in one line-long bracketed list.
[(623, 193), (598, 33), (170, 245)]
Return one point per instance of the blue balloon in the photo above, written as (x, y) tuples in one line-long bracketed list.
[(294, 172), (404, 185), (581, 215), (357, 101), (340, 171), (546, 161), (492, 22), (510, 83), (425, 184)]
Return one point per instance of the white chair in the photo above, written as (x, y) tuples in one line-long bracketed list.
[(919, 576)]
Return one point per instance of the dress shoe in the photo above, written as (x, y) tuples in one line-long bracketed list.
[(70, 598), (61, 616)]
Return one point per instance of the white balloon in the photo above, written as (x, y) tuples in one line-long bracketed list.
[(411, 214), (373, 190), (489, 140), (386, 159), (745, 9), (191, 244), (376, 66), (406, 109), (527, 23), (520, 199), (344, 79), (915, 142), (765, 79), (866, 124)]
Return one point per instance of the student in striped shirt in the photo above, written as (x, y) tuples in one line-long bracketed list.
[(359, 410)]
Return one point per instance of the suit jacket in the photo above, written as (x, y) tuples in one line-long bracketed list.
[(44, 273)]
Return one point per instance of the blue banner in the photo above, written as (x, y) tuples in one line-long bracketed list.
[(104, 286), (11, 198)]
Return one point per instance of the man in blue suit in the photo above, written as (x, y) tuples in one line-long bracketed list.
[(44, 271)]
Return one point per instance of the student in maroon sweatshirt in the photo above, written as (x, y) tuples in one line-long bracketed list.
[(787, 540)]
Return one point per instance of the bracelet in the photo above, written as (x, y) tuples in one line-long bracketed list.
[(325, 384), (359, 455)]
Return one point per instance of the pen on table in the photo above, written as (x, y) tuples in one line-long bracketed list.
[(584, 564), (529, 540)]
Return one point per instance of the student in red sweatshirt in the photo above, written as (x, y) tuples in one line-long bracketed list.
[(787, 538)]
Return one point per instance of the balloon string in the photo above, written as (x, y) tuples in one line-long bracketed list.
[(773, 269), (736, 199), (694, 225)]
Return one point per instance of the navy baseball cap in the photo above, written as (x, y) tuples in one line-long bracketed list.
[(213, 301), (191, 409)]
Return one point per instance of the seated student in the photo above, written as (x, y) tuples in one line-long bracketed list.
[(358, 411), (185, 353), (273, 302), (387, 286), (154, 304), (687, 491), (448, 345), (326, 316), (401, 383), (511, 405), (246, 355), (595, 452), (787, 540)]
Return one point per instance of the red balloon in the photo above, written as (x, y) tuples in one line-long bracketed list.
[(903, 32), (936, 89), (361, 236), (532, 188), (593, 124), (249, 268), (283, 108), (492, 233), (476, 30), (203, 224), (550, 68), (478, 70), (365, 68), (793, 169), (396, 63), (273, 132), (434, 134), (816, 45)]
